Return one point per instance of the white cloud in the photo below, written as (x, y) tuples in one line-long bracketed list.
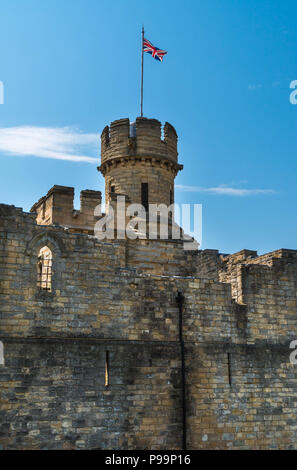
[(60, 143), (224, 190)]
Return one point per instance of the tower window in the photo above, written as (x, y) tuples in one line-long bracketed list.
[(144, 195), (170, 197), (44, 269), (112, 189)]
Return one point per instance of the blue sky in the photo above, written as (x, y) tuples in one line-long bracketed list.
[(69, 67)]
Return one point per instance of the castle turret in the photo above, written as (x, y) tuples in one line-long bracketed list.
[(137, 162), (56, 208)]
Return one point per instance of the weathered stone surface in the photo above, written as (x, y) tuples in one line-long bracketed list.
[(95, 363)]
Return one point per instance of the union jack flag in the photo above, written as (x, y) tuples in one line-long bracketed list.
[(157, 53)]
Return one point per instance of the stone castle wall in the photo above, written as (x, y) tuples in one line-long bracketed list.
[(113, 300)]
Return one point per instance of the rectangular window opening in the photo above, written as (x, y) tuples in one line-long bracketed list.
[(144, 195)]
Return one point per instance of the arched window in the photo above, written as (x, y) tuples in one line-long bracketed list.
[(44, 269)]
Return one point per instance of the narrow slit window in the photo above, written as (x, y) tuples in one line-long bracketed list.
[(106, 368), (144, 195), (43, 210), (229, 368), (44, 269)]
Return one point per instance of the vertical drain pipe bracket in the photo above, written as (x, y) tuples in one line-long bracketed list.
[(180, 302)]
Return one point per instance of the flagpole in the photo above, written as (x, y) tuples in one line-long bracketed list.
[(141, 101)]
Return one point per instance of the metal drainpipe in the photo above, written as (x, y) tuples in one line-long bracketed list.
[(180, 302)]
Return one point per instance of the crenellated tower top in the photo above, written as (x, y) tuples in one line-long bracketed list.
[(138, 162), (141, 138)]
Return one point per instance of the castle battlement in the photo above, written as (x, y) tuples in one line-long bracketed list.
[(56, 208), (142, 138)]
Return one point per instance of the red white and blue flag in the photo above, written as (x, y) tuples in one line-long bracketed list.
[(157, 53)]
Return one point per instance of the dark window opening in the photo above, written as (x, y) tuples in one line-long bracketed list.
[(144, 195), (170, 197), (43, 210), (112, 189)]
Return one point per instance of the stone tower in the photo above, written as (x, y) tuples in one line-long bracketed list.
[(137, 162)]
